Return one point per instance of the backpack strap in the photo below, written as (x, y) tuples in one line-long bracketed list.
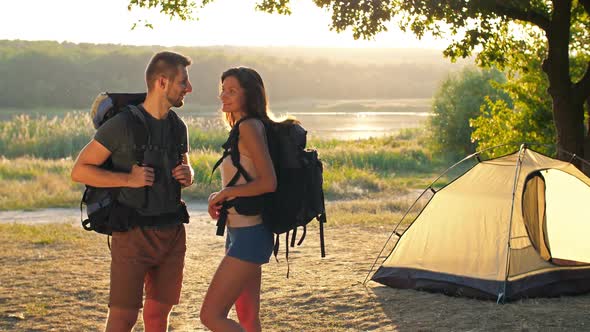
[(230, 148), (277, 245), (141, 133), (141, 140), (322, 220), (229, 143), (178, 145), (177, 133), (234, 152)]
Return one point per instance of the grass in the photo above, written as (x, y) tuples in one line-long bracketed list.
[(27, 183), (30, 183), (54, 137), (42, 235), (41, 283), (38, 154), (370, 212)]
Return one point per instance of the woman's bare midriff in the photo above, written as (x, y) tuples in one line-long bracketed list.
[(238, 220)]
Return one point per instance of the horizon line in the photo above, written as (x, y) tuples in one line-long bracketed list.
[(229, 45)]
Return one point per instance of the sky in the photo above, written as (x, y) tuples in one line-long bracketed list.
[(223, 22)]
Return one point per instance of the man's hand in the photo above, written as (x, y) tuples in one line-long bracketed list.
[(184, 174), (140, 176)]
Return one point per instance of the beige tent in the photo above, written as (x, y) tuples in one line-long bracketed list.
[(510, 227)]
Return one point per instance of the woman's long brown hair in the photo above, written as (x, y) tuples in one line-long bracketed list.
[(256, 103)]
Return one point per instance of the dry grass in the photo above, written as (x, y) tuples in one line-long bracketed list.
[(55, 278)]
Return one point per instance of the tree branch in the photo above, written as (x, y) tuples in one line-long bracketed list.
[(586, 5), (581, 89), (522, 13), (518, 10)]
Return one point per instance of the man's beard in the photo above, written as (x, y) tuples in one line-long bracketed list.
[(178, 102)]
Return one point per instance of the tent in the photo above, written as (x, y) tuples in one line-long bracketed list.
[(510, 227)]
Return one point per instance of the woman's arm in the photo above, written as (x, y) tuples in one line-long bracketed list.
[(253, 140)]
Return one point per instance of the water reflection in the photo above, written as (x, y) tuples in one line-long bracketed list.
[(348, 119), (340, 119), (359, 125)]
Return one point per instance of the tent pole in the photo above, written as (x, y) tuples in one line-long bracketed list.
[(523, 148), (473, 155), (394, 232)]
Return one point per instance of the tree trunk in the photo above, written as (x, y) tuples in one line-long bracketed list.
[(569, 122), (568, 109), (586, 167)]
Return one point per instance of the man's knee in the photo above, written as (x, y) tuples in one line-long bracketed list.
[(120, 319), (156, 312)]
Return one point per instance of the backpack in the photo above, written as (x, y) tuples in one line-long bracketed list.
[(105, 214), (299, 197)]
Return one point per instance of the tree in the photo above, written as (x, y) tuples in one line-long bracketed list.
[(458, 100), (500, 29), (528, 120)]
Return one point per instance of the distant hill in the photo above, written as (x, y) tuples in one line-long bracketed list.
[(52, 74), (354, 56)]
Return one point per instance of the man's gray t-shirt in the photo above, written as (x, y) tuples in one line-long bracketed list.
[(115, 135)]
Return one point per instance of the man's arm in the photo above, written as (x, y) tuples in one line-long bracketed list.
[(86, 170)]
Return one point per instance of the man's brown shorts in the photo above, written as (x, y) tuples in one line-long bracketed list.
[(151, 256)]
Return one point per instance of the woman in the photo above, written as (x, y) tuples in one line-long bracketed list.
[(249, 243)]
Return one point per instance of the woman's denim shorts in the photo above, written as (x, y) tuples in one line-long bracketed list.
[(252, 244)]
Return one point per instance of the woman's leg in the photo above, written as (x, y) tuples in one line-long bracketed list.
[(229, 280), (248, 304)]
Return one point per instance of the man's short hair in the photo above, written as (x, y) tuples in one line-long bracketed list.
[(165, 63)]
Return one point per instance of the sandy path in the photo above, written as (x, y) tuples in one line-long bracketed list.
[(64, 287), (71, 215)]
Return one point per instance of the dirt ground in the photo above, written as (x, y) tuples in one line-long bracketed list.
[(63, 286)]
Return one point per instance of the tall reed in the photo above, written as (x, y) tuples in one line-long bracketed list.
[(38, 152)]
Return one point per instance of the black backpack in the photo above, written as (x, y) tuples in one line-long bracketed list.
[(299, 197), (105, 214)]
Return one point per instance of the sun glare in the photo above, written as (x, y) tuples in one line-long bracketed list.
[(223, 22)]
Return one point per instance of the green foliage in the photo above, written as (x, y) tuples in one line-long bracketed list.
[(528, 120), (64, 136), (383, 160), (205, 183), (499, 28), (205, 134), (457, 101), (373, 167), (502, 33), (183, 10), (55, 137), (37, 183), (66, 75)]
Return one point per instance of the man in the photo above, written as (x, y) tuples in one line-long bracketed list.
[(151, 253)]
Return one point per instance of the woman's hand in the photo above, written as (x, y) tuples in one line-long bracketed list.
[(215, 201)]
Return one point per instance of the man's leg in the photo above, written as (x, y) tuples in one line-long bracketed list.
[(163, 283), (128, 271), (155, 315), (121, 320)]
